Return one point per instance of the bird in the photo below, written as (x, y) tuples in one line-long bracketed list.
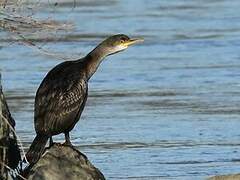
[(62, 95)]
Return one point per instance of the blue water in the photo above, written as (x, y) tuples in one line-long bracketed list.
[(165, 109)]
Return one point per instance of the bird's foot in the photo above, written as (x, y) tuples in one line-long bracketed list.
[(51, 143), (67, 143)]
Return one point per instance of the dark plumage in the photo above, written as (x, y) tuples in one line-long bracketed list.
[(61, 97)]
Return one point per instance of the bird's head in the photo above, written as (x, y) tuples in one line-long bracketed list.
[(117, 43)]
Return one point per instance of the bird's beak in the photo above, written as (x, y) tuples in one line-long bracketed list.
[(133, 41)]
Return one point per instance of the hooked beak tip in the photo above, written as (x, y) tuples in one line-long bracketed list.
[(134, 41), (138, 40)]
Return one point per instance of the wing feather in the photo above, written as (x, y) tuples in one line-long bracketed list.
[(58, 103)]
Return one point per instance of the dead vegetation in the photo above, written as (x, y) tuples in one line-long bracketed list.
[(18, 17), (20, 22)]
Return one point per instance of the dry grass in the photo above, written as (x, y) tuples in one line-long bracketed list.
[(13, 172), (18, 23), (17, 16)]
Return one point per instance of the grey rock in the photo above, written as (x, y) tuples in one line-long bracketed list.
[(226, 177), (64, 163)]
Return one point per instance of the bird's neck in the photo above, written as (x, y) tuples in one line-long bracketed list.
[(93, 60)]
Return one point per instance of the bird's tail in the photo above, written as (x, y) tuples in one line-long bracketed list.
[(36, 149)]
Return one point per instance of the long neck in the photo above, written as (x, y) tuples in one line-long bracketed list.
[(93, 60)]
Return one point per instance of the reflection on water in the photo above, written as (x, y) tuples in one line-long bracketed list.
[(165, 109)]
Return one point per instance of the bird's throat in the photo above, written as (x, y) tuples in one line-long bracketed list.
[(93, 60)]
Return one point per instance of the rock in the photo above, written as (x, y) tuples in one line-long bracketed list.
[(226, 177), (63, 162)]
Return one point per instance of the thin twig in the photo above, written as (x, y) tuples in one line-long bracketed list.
[(15, 134), (44, 51), (15, 20), (10, 169)]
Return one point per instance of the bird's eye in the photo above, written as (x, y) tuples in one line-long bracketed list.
[(122, 40)]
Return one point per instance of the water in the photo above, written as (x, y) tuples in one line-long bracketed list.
[(165, 109)]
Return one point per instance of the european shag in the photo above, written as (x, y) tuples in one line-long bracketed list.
[(61, 97)]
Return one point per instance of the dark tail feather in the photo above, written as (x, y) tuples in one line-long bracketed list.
[(36, 149)]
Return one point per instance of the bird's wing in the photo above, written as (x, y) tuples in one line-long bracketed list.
[(57, 105)]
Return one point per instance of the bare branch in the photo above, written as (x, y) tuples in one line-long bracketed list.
[(18, 21)]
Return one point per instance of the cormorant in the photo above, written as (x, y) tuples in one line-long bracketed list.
[(61, 97)]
